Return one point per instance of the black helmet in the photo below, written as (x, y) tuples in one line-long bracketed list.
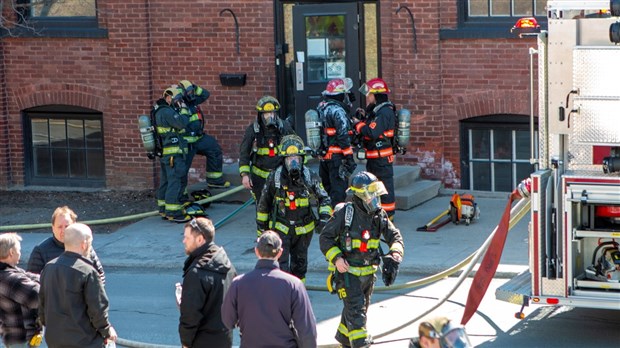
[(367, 191), (292, 149), (268, 107)]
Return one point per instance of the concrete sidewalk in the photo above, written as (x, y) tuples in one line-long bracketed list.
[(157, 244)]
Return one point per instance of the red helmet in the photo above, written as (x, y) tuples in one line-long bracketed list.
[(375, 86), (338, 86)]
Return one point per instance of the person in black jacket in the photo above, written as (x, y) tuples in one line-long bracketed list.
[(53, 246), (285, 206), (73, 305), (207, 275), (270, 307), (258, 152), (351, 244)]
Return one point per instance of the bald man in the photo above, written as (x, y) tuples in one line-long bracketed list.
[(71, 285)]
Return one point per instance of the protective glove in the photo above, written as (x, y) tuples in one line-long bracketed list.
[(389, 271), (320, 226), (347, 167)]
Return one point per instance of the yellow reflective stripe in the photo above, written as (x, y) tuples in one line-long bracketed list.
[(362, 271), (398, 248), (326, 210), (161, 202), (162, 130), (258, 233), (343, 330), (174, 207), (262, 216), (358, 334), (299, 202), (281, 227), (192, 139), (304, 229), (371, 244), (331, 267), (214, 175), (262, 173), (264, 151), (172, 150), (198, 90), (194, 117), (244, 169), (332, 252)]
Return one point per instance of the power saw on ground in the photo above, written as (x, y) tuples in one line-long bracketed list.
[(462, 208)]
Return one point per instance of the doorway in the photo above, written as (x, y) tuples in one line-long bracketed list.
[(320, 42)]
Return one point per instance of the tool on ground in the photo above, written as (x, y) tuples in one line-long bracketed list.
[(462, 207)]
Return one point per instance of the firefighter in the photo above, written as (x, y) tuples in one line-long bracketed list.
[(337, 163), (376, 131), (170, 127), (285, 206), (198, 141), (350, 242), (258, 154)]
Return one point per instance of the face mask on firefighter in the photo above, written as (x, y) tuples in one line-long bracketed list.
[(269, 118), (455, 338), (293, 164), (370, 195)]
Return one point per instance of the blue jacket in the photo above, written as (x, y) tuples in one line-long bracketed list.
[(271, 309)]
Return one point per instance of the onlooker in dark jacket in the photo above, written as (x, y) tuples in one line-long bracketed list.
[(281, 315), (73, 305), (19, 293), (53, 246), (207, 275)]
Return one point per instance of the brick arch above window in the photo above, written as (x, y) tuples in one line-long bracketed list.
[(63, 94), (492, 103)]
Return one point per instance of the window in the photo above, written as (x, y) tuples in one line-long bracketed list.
[(58, 18), (496, 157), (493, 18), (64, 147)]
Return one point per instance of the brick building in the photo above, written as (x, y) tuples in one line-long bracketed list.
[(76, 75)]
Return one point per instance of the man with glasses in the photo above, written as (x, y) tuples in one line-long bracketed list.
[(207, 275)]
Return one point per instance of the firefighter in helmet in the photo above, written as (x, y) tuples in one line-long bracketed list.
[(198, 141), (337, 163), (170, 125), (376, 128), (350, 242), (440, 332), (258, 152), (285, 206)]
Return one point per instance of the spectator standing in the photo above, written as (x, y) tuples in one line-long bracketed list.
[(73, 305), (19, 295), (207, 275), (53, 246), (270, 307)]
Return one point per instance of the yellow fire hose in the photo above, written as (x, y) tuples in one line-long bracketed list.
[(120, 218)]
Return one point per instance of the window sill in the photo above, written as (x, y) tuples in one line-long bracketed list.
[(482, 30), (39, 32)]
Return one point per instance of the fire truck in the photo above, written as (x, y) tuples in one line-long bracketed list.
[(574, 257)]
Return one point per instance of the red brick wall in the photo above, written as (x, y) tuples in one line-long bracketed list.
[(154, 43)]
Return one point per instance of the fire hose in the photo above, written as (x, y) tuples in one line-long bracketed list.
[(129, 217)]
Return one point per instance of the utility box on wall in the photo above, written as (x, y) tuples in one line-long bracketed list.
[(233, 80)]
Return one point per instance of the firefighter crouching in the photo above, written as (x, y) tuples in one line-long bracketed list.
[(170, 127), (376, 130), (351, 244), (285, 206), (258, 152), (337, 163)]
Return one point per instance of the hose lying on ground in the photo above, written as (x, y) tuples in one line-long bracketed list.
[(120, 218)]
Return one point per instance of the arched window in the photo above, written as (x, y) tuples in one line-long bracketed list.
[(64, 146)]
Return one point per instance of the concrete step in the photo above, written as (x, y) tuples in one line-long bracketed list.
[(416, 193), (410, 189)]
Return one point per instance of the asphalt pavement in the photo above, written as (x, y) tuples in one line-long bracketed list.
[(157, 244)]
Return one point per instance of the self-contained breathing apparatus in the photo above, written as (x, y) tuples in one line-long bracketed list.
[(605, 265), (152, 142)]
